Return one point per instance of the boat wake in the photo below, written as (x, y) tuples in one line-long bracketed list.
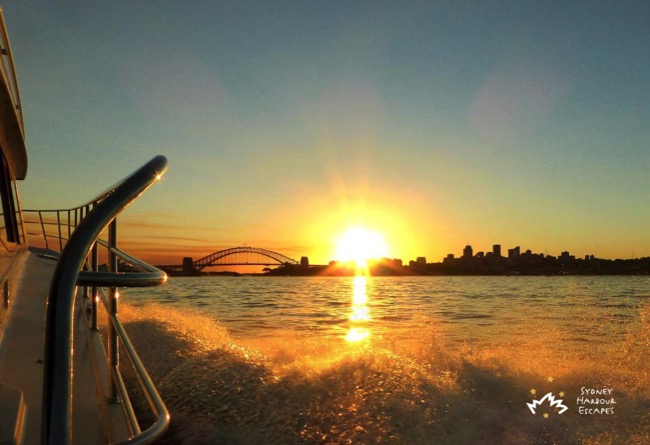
[(301, 390)]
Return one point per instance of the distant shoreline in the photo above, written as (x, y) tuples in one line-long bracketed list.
[(521, 266)]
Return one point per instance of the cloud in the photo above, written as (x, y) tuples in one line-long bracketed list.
[(159, 222)]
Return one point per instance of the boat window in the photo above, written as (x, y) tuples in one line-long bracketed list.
[(9, 207)]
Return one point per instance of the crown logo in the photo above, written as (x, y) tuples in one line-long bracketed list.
[(551, 399)]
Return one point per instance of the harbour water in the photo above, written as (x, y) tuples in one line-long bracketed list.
[(402, 360)]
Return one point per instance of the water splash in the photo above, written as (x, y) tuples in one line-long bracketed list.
[(302, 389)]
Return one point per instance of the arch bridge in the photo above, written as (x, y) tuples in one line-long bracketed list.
[(243, 256)]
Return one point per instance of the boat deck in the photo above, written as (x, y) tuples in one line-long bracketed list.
[(21, 355)]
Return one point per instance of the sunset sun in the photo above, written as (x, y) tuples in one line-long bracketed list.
[(360, 245)]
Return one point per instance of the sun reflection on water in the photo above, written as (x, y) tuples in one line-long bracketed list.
[(359, 314), (357, 334)]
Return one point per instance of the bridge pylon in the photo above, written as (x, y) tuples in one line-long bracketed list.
[(188, 266)]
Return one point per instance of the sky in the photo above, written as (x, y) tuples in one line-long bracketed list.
[(434, 123)]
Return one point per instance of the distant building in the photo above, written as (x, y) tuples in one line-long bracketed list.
[(566, 257), (304, 261), (496, 250), (419, 264), (514, 252), (468, 252), (395, 262)]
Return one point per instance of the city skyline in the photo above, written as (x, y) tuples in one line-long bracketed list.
[(495, 257), (288, 123), (247, 260)]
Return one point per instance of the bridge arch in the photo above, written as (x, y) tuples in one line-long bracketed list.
[(240, 256)]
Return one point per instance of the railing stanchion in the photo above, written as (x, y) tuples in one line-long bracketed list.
[(78, 216), (113, 299), (94, 265), (40, 216), (58, 220)]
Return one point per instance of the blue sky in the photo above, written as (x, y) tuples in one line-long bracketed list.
[(519, 123)]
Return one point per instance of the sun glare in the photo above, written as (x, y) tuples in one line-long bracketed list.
[(360, 245)]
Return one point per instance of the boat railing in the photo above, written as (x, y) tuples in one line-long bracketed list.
[(75, 233), (8, 70)]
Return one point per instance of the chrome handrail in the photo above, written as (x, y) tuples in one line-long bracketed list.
[(67, 219), (57, 381), (148, 275), (59, 219)]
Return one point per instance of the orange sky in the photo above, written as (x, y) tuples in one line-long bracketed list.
[(435, 123)]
